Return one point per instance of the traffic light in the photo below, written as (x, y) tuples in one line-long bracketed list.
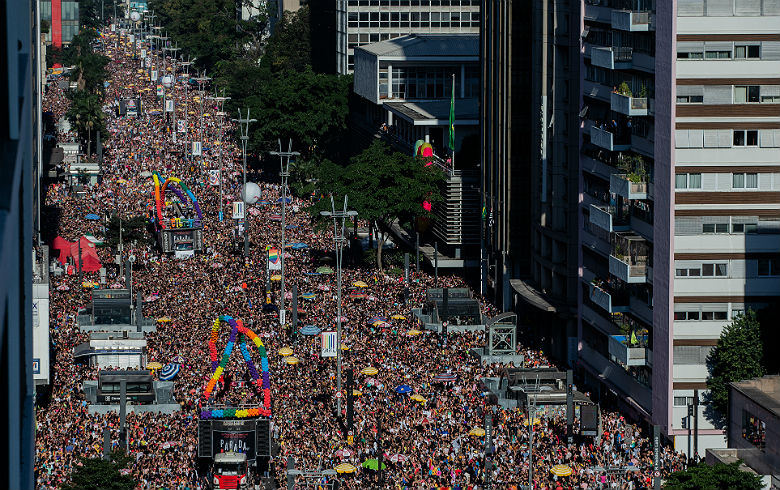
[(690, 410), (685, 422)]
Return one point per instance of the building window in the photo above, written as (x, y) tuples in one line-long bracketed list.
[(687, 181), (747, 52), (683, 401), (753, 430), (744, 181), (718, 55), (714, 270), (690, 99), (715, 228), (744, 137), (768, 267), (746, 93)]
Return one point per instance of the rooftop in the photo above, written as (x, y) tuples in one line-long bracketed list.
[(764, 391), (426, 46), (437, 112)]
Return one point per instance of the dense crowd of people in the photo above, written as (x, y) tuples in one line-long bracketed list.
[(424, 444)]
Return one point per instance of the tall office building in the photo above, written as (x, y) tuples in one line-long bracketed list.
[(530, 106), (18, 136), (680, 194), (360, 22), (63, 19)]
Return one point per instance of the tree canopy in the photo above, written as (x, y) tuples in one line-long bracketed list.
[(736, 357), (716, 477), (382, 186), (99, 474)]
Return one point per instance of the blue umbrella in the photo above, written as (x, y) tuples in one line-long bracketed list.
[(92, 216), (312, 273), (286, 200), (310, 330), (291, 227), (263, 201), (403, 389), (445, 378), (170, 371), (298, 246)]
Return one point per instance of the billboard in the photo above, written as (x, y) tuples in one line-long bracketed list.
[(129, 107), (274, 260), (214, 177), (330, 346)]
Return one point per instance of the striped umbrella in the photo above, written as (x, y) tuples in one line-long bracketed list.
[(170, 371), (561, 470)]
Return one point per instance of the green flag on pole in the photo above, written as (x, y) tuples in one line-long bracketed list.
[(452, 116)]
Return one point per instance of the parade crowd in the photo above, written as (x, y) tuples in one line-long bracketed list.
[(425, 445)]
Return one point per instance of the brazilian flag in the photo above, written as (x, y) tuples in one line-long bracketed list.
[(452, 116)]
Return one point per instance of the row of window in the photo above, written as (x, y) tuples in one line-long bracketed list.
[(742, 94), (697, 225), (413, 3), (427, 82), (706, 270), (727, 8), (726, 138), (724, 51), (745, 180), (695, 316)]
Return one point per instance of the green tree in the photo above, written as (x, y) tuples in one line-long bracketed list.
[(736, 357), (209, 30), (86, 115), (383, 186), (308, 107), (99, 474), (133, 230), (289, 48), (716, 477)]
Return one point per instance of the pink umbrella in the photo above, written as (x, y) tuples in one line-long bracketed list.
[(343, 319), (116, 285), (63, 287), (254, 211), (216, 265), (323, 287), (151, 297), (288, 295), (371, 381), (399, 458)]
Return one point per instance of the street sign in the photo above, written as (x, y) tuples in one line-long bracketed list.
[(339, 394), (656, 474)]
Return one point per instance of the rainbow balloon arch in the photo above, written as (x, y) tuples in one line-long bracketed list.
[(238, 332), (161, 184)]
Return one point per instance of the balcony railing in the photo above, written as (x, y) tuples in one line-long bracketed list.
[(624, 353), (622, 185), (631, 270), (608, 300), (608, 219), (630, 106), (612, 58), (607, 140), (630, 20)]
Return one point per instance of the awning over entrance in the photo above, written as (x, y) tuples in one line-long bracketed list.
[(532, 295)]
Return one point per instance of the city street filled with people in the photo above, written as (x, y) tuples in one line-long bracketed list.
[(426, 434)]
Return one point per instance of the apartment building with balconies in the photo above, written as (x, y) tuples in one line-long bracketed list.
[(680, 193)]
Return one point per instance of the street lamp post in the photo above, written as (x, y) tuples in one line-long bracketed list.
[(202, 80), (338, 237), (284, 173), (243, 124), (221, 115)]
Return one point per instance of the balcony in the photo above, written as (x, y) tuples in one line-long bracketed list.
[(630, 106), (608, 299), (612, 58), (630, 20), (629, 258), (624, 353), (606, 140), (626, 186), (607, 218)]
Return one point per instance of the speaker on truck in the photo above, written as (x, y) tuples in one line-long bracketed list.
[(589, 420), (204, 439), (263, 433)]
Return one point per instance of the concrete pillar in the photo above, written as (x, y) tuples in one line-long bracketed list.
[(389, 81), (462, 80)]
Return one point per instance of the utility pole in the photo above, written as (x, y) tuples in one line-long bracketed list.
[(338, 236), (202, 80), (221, 115), (244, 123), (436, 264), (696, 425), (284, 174)]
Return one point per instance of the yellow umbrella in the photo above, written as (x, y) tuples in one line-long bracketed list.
[(345, 468), (398, 317), (418, 398), (360, 284), (357, 393), (537, 421), (276, 277), (165, 319), (206, 114), (291, 360), (561, 470), (154, 365), (378, 323), (369, 371), (413, 332), (477, 432), (285, 351), (344, 347)]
